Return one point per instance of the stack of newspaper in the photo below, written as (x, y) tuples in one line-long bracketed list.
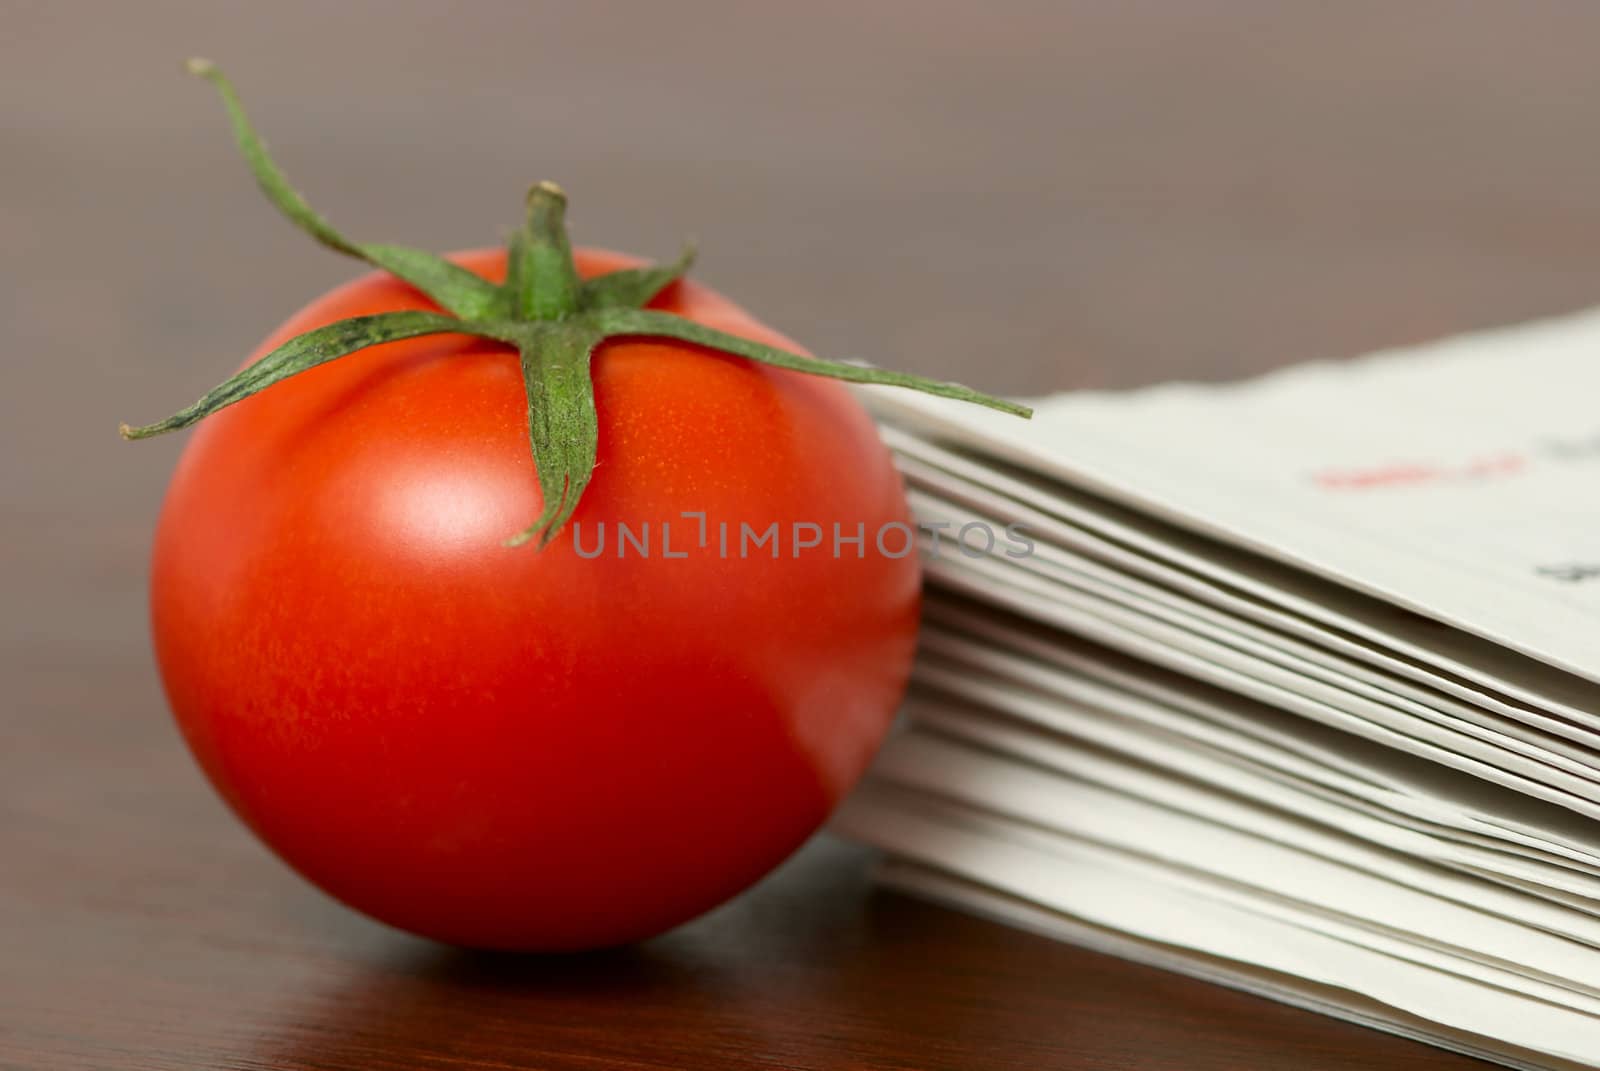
[(1291, 684)]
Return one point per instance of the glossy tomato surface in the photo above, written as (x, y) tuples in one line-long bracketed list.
[(518, 748)]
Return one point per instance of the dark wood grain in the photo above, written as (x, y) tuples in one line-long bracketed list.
[(1029, 196)]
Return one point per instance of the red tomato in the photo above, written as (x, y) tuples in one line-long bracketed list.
[(519, 748)]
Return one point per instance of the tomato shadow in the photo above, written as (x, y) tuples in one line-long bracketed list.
[(814, 968), (803, 967)]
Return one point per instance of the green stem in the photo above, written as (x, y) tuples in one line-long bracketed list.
[(541, 276), (649, 323), (554, 320), (451, 286), (634, 288), (318, 346)]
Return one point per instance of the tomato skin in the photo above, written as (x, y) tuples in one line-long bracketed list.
[(518, 748)]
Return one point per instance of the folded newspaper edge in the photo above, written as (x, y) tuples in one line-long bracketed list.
[(1296, 687), (1411, 475)]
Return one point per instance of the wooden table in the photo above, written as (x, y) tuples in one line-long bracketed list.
[(1030, 197)]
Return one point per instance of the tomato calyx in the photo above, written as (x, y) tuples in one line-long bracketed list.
[(553, 318)]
